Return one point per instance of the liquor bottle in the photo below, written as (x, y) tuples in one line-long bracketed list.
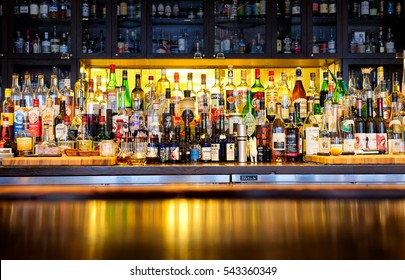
[(389, 44), (231, 94), (310, 141), (231, 149), (92, 110), (55, 43), (174, 149), (53, 91), (15, 92), (25, 140), (163, 148), (63, 10), (285, 97), (102, 132), (249, 114), (67, 95), (48, 116), (324, 89), (381, 137), (66, 139), (203, 97), (84, 141), (324, 136), (348, 127), (53, 9), (278, 137), (216, 93), (177, 93), (8, 111), (386, 98), (46, 44), (162, 84), (34, 9), (195, 148), (112, 102), (257, 91), (187, 109), (262, 127), (271, 98), (292, 140), (395, 130), (367, 91), (216, 117), (336, 135), (20, 116), (371, 127), (340, 91), (99, 95), (85, 10), (190, 86), (7, 135), (205, 140), (44, 9), (126, 103), (364, 8), (150, 98), (34, 120), (75, 122), (299, 94), (360, 126), (215, 148), (152, 154), (242, 91), (300, 124)]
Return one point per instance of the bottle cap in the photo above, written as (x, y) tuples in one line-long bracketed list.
[(176, 77), (101, 119), (150, 78), (187, 93), (35, 102), (112, 68)]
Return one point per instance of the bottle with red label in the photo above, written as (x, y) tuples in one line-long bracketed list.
[(231, 94), (257, 91), (34, 120)]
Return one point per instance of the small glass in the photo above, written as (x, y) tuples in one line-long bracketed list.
[(140, 149), (108, 148), (124, 157)]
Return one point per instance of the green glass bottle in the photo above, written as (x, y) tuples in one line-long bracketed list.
[(249, 114)]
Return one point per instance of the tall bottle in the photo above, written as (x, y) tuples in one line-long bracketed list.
[(324, 136), (360, 125), (292, 141), (271, 97), (8, 111), (324, 89), (27, 92), (278, 137), (162, 84), (84, 141), (59, 124), (138, 95), (25, 140), (285, 97), (34, 120), (395, 131), (371, 127), (336, 134), (249, 114), (177, 93), (20, 117), (381, 137), (257, 91), (190, 86), (310, 141), (367, 91), (112, 98), (203, 97), (48, 116), (7, 135), (15, 92), (262, 132), (298, 94), (127, 95), (340, 91), (216, 93), (242, 91), (150, 96), (231, 94), (41, 92), (348, 127), (92, 110)]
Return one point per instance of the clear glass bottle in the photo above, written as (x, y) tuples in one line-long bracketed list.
[(20, 117), (242, 89), (177, 93), (203, 97), (271, 97), (34, 120), (231, 95), (278, 137), (285, 97), (216, 92), (27, 92), (324, 136), (336, 135), (84, 141), (15, 91), (53, 91), (395, 129)]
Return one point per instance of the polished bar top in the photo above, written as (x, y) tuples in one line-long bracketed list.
[(201, 169)]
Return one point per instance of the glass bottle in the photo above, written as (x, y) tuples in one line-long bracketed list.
[(48, 116), (127, 94), (371, 127), (174, 148), (395, 130), (8, 111), (7, 135), (20, 117), (15, 92), (231, 94), (34, 120), (203, 96), (66, 139), (46, 44), (324, 89), (278, 137), (216, 92), (249, 114), (271, 97), (162, 84), (381, 136), (190, 86), (257, 91), (360, 126), (27, 92), (177, 93), (138, 95), (112, 102), (92, 110), (298, 94), (187, 109), (67, 95), (285, 97), (262, 131), (44, 9), (324, 136), (367, 91), (310, 141), (84, 141), (340, 91), (336, 134), (242, 89), (150, 98)]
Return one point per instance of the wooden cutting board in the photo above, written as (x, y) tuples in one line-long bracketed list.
[(358, 159), (61, 161)]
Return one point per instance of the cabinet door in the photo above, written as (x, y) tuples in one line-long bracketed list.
[(240, 28), (41, 29), (94, 25), (373, 29), (177, 28), (324, 28), (128, 17), (290, 28)]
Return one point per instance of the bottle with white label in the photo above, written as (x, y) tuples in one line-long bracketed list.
[(298, 94), (278, 139)]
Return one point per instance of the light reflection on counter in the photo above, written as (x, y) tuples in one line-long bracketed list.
[(203, 229)]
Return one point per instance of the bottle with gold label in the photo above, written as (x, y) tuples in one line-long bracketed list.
[(25, 141), (84, 141), (8, 111)]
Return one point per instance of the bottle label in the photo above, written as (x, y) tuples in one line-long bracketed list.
[(85, 145), (53, 9), (194, 154), (324, 8), (34, 123), (365, 8), (291, 144), (256, 100), (201, 100), (296, 10), (206, 153), (279, 141), (174, 153), (382, 142), (271, 103), (43, 10), (360, 141), (347, 125), (371, 141), (242, 96), (24, 144), (18, 122), (303, 106), (332, 8), (34, 9), (311, 140), (60, 131), (10, 118), (348, 145), (230, 102), (24, 9), (85, 10), (324, 145), (250, 123), (112, 100), (230, 152), (215, 152)]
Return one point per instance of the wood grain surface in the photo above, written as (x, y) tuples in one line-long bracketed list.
[(357, 159), (59, 161)]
